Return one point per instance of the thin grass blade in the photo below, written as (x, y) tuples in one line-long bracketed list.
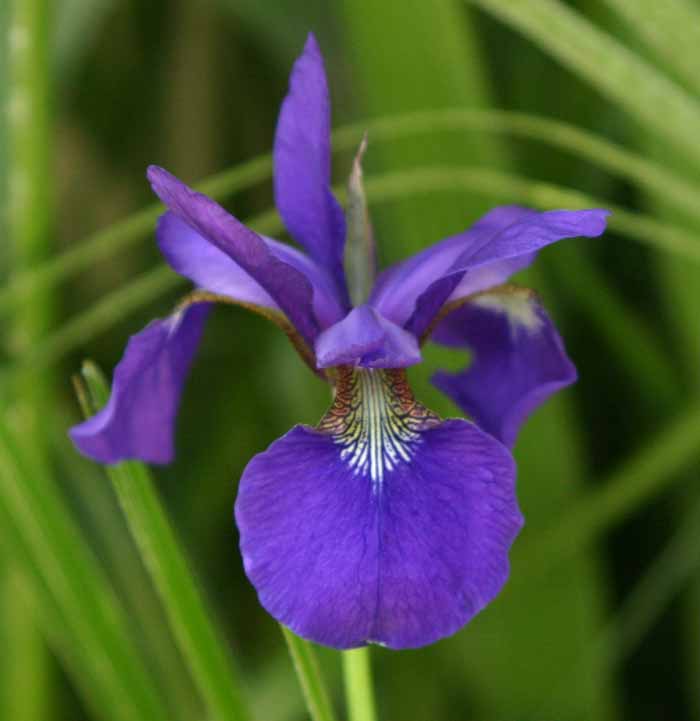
[(200, 642), (614, 70), (309, 675), (80, 615), (671, 28)]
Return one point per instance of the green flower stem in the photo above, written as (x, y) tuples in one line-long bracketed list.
[(199, 640), (357, 674), (635, 168), (309, 675), (80, 616)]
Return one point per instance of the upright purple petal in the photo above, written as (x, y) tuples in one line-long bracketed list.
[(519, 361), (287, 287), (385, 526), (302, 160), (194, 257), (138, 422), (365, 338)]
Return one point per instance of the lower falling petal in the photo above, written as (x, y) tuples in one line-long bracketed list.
[(383, 525)]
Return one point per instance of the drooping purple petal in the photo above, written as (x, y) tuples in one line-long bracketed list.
[(365, 338), (138, 422), (370, 532), (289, 288), (519, 361), (302, 162), (501, 243), (194, 257)]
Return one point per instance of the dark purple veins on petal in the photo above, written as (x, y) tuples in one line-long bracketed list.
[(383, 525), (138, 422), (519, 361)]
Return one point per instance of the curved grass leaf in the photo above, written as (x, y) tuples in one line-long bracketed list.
[(671, 28), (621, 75)]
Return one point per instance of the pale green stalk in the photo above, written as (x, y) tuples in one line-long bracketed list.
[(635, 168), (309, 675), (357, 674), (198, 638)]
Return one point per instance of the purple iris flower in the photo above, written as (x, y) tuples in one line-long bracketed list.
[(383, 524)]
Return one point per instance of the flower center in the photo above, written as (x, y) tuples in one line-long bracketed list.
[(376, 420)]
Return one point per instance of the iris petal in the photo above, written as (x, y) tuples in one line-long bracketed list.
[(384, 525), (289, 288), (504, 241), (194, 257), (365, 338), (302, 160), (139, 419), (519, 361)]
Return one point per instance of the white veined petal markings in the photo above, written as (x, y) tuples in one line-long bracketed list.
[(376, 420)]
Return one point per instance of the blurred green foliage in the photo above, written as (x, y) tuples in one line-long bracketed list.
[(600, 618)]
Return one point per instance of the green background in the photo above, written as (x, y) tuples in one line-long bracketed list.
[(601, 617)]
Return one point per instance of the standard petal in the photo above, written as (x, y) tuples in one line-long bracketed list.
[(302, 162), (138, 422), (391, 529), (501, 243), (397, 288), (365, 338), (287, 287), (519, 361), (194, 257)]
